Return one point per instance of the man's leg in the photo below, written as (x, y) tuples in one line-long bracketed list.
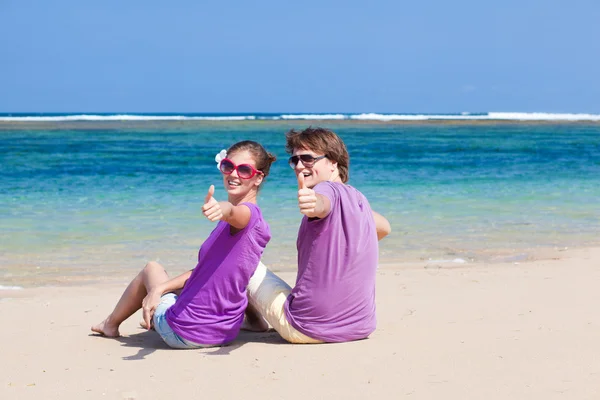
[(253, 321), (267, 294)]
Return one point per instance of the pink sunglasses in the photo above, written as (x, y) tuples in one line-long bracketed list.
[(245, 171)]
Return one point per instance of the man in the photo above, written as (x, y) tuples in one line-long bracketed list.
[(334, 296)]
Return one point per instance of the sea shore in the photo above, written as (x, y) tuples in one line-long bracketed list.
[(518, 330)]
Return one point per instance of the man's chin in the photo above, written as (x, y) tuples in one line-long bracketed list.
[(310, 184)]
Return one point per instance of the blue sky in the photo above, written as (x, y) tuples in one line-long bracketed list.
[(310, 56)]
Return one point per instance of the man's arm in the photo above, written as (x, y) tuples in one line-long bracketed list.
[(382, 225), (321, 209), (312, 204)]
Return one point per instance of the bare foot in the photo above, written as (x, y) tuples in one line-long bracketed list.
[(105, 329)]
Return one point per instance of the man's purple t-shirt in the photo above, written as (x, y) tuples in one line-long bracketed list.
[(210, 309), (334, 296)]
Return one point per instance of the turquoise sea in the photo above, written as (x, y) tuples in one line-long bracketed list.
[(95, 199)]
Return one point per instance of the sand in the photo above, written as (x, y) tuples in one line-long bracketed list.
[(453, 331)]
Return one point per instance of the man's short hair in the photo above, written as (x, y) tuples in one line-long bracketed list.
[(323, 141)]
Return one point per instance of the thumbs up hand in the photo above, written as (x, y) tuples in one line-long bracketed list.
[(307, 198), (211, 208)]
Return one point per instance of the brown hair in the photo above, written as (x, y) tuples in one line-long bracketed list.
[(322, 141), (262, 157)]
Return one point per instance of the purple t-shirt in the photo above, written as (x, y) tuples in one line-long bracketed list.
[(210, 309), (334, 296)]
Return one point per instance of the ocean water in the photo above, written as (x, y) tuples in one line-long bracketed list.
[(95, 199)]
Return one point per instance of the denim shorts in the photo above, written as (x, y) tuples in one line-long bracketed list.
[(164, 330)]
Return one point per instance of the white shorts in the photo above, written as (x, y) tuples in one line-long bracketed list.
[(267, 293)]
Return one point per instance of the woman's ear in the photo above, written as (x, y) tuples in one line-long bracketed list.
[(259, 180)]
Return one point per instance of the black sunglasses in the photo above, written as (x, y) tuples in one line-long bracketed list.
[(307, 160)]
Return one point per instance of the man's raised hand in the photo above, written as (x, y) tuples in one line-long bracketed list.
[(307, 198)]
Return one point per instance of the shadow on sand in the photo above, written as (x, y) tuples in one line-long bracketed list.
[(147, 342)]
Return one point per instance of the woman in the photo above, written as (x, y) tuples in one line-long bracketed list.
[(209, 311)]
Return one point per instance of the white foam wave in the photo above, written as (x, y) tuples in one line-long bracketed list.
[(505, 116), (10, 287), (224, 118), (464, 116), (125, 117), (314, 116), (543, 116), (455, 261), (390, 117)]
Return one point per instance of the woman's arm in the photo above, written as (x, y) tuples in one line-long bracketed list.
[(236, 216), (175, 283), (152, 299), (382, 225)]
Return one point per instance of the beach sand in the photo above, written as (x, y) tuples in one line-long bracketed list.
[(452, 331)]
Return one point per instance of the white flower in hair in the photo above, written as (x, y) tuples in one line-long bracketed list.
[(219, 157)]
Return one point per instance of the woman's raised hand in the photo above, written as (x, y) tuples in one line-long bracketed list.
[(211, 208)]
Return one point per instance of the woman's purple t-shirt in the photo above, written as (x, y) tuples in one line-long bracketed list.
[(210, 309), (334, 296)]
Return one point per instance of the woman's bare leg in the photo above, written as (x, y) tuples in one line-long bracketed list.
[(152, 275)]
